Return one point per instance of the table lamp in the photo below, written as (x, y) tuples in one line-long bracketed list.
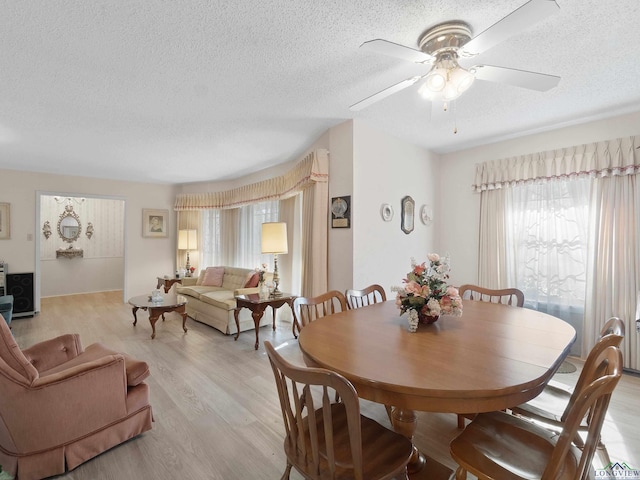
[(274, 240), (187, 240)]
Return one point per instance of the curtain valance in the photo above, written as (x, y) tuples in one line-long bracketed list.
[(602, 159), (312, 169)]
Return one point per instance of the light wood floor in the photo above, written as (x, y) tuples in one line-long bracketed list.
[(214, 400)]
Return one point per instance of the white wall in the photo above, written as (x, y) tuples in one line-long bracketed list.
[(386, 169), (145, 258), (340, 241), (457, 217)]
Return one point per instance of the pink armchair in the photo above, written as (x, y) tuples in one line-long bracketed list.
[(61, 405)]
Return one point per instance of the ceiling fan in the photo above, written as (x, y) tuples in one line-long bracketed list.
[(442, 45)]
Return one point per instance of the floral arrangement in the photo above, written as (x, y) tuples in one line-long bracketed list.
[(261, 269), (425, 292), (192, 269)]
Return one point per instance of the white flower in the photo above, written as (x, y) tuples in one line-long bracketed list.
[(412, 317), (433, 257)]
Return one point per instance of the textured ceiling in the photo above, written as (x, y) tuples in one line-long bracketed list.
[(183, 91)]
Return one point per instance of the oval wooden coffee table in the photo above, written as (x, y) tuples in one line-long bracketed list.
[(171, 302)]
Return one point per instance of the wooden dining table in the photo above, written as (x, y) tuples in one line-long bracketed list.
[(491, 358)]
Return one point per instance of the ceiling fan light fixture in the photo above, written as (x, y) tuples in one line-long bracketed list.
[(461, 79), (446, 80)]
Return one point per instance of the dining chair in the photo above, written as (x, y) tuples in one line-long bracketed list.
[(325, 439), (551, 407), (506, 296), (499, 445), (308, 309), (367, 296)]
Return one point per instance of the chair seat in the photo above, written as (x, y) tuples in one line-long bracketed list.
[(500, 446), (549, 405), (389, 451)]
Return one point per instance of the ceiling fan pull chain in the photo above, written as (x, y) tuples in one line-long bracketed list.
[(455, 119)]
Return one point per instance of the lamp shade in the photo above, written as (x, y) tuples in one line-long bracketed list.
[(274, 237), (187, 240)]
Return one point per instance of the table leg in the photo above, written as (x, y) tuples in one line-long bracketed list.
[(257, 315), (153, 318), (235, 315), (404, 423), (273, 311), (182, 311), (135, 317)]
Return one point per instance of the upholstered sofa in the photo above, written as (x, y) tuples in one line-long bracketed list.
[(211, 297), (62, 404)]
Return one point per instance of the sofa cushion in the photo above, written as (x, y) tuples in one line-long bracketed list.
[(235, 277), (222, 299), (196, 290), (213, 277), (253, 281), (201, 276)]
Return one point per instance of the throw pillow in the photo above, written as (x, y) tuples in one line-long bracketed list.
[(253, 281), (213, 277), (200, 277)]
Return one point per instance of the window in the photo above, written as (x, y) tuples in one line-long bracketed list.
[(244, 248), (546, 233)]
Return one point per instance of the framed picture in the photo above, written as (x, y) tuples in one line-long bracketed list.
[(341, 212), (5, 221), (155, 223), (406, 221)]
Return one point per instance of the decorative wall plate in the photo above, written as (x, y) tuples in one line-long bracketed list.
[(386, 211), (426, 214)]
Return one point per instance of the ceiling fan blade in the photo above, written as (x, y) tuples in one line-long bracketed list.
[(517, 21), (396, 50), (520, 78), (384, 93)]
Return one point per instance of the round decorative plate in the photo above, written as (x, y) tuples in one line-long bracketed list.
[(387, 212), (426, 214)]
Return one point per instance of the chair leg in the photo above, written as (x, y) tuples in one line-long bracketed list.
[(389, 409), (461, 474), (460, 422), (287, 472)]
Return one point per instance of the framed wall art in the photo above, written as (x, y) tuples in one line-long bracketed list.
[(5, 221), (155, 223), (341, 212)]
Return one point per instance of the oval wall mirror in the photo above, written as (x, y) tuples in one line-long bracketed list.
[(69, 226), (408, 208)]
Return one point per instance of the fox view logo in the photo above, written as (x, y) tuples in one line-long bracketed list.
[(618, 470)]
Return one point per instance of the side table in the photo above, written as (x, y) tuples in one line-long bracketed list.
[(257, 306), (167, 283)]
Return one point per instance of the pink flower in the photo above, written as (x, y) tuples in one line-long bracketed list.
[(452, 291), (413, 287), (433, 257)]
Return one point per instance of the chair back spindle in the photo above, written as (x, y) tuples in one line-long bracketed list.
[(506, 296), (308, 309), (367, 296)]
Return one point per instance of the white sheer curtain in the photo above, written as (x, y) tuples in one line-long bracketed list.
[(547, 228), (233, 236), (249, 246)]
